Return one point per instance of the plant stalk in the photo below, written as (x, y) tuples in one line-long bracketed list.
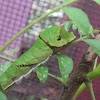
[(89, 86), (6, 58), (57, 78), (95, 63)]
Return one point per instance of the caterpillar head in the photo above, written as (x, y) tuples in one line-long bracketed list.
[(57, 36)]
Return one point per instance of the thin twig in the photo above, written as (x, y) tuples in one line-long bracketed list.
[(57, 78), (89, 86), (95, 63), (6, 58)]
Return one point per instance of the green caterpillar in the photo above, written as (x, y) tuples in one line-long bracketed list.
[(52, 37)]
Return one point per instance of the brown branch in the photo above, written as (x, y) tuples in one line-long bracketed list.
[(79, 75)]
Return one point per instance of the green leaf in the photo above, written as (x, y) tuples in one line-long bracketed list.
[(74, 27), (67, 25), (79, 18), (95, 44), (44, 99), (42, 73), (2, 96), (11, 52), (97, 1), (65, 65), (57, 36)]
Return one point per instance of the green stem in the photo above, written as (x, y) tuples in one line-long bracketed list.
[(96, 31), (64, 23), (73, 42), (36, 21), (95, 63), (78, 40), (5, 58), (92, 35), (56, 78), (79, 91), (89, 86)]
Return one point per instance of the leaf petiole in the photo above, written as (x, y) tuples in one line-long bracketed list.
[(95, 63), (60, 80), (89, 86), (96, 31), (6, 58)]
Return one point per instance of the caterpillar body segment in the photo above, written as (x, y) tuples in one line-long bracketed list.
[(38, 53)]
